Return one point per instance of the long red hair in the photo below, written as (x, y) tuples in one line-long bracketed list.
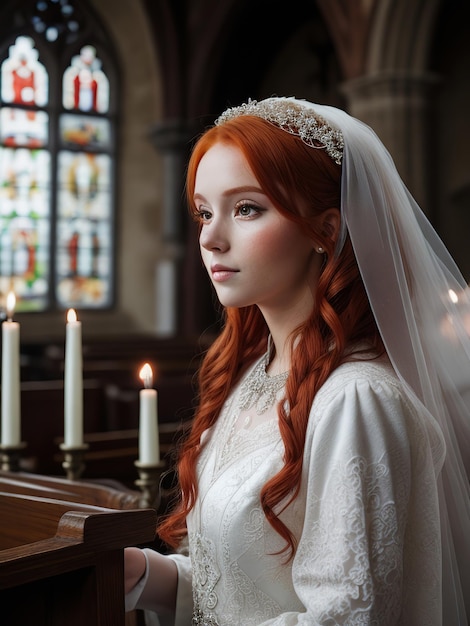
[(302, 182)]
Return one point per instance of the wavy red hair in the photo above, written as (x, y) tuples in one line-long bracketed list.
[(302, 182)]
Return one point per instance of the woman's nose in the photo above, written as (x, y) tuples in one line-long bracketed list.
[(214, 237)]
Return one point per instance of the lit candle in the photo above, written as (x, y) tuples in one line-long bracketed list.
[(73, 383), (149, 445), (11, 427)]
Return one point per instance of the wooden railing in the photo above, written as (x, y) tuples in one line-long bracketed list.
[(61, 550)]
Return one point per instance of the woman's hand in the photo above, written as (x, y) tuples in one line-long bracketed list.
[(134, 567)]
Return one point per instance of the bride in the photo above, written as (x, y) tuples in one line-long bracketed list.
[(325, 478)]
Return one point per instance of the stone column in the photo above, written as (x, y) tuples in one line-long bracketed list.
[(172, 140), (398, 106)]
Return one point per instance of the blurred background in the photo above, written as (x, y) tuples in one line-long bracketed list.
[(94, 151)]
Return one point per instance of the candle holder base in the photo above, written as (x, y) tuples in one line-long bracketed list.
[(10, 456), (148, 483), (73, 463)]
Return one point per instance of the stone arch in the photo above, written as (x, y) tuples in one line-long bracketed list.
[(401, 32)]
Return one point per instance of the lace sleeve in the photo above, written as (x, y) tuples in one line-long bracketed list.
[(363, 448)]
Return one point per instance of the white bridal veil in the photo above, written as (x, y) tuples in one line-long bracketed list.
[(422, 307), (421, 304)]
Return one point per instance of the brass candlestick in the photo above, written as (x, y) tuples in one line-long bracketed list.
[(149, 483), (10, 456), (74, 463)]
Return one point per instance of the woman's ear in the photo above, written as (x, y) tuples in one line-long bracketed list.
[(330, 224)]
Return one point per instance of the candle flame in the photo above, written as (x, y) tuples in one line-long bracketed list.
[(453, 296), (11, 303), (146, 375), (71, 315)]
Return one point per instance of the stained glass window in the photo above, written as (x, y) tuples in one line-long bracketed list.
[(86, 87), (57, 158), (25, 178)]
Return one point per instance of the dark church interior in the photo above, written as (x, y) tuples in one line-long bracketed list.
[(170, 68)]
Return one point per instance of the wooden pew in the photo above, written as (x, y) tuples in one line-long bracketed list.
[(111, 402), (111, 420), (119, 358), (42, 420), (176, 399), (114, 496), (61, 560)]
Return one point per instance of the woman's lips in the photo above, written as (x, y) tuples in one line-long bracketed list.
[(221, 273)]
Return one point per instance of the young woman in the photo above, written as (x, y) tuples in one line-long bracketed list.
[(323, 481)]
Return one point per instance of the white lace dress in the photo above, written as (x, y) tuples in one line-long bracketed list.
[(366, 518)]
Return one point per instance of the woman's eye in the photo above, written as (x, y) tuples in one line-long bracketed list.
[(247, 210), (203, 215)]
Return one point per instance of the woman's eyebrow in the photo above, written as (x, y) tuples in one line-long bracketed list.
[(233, 191), (242, 189)]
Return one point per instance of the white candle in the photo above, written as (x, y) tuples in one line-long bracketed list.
[(11, 426), (149, 444), (73, 383)]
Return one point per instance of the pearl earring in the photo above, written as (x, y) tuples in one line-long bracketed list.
[(320, 250)]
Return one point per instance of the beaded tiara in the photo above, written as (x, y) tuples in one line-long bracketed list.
[(294, 118)]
